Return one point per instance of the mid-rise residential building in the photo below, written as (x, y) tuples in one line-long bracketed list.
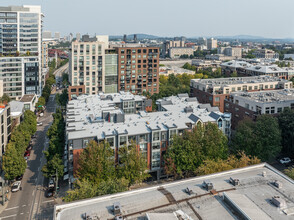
[(75, 91), (21, 37), (29, 102), (202, 41), (254, 192), (20, 76), (206, 64), (5, 127), (265, 53), (123, 118), (87, 65), (138, 69), (215, 91), (177, 52), (1, 88), (44, 58), (78, 36), (57, 36), (252, 104), (172, 44), (236, 66), (233, 52), (211, 44)]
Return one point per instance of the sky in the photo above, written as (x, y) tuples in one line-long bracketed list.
[(167, 18)]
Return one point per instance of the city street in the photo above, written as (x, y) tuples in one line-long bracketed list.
[(30, 202)]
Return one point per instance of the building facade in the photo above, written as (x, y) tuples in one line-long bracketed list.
[(21, 35), (265, 53), (138, 69), (250, 105), (87, 65), (123, 118), (177, 52), (215, 91), (211, 44), (5, 127)]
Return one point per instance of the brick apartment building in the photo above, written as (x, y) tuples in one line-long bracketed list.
[(138, 69), (215, 91)]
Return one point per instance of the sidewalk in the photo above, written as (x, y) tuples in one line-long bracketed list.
[(2, 208)]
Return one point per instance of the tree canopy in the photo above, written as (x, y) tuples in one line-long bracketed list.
[(286, 123), (261, 138), (190, 150)]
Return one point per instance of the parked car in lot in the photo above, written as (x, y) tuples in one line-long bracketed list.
[(285, 160), (49, 192), (39, 123), (16, 186), (27, 153), (51, 183)]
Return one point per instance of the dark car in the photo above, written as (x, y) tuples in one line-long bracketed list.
[(18, 178), (49, 192), (29, 147), (34, 136), (27, 153)]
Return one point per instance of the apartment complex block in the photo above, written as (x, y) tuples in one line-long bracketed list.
[(215, 91), (211, 44), (20, 76), (20, 34), (265, 53), (87, 65), (177, 52), (138, 69), (233, 52), (5, 127), (243, 68), (244, 104), (121, 119)]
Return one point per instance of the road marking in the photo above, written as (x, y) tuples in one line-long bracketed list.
[(21, 213), (12, 208), (24, 205), (49, 201), (33, 191), (9, 216)]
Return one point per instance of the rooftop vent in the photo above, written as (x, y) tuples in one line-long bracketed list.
[(207, 185), (277, 184), (279, 202), (116, 208), (234, 182)]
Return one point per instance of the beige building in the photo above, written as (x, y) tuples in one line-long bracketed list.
[(211, 44), (44, 55), (265, 53), (5, 127), (234, 52), (1, 88), (87, 64), (176, 52)]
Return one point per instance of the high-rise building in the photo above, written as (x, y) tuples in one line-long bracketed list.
[(21, 37), (138, 69), (78, 36), (44, 55), (211, 44), (87, 64), (202, 41), (57, 35), (46, 35)]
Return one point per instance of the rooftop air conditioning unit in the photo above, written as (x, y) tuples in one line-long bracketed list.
[(116, 208), (207, 185), (235, 182)]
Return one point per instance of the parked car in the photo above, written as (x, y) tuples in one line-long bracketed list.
[(16, 186), (49, 192), (51, 183), (34, 136), (41, 114), (27, 153), (18, 178), (285, 160), (30, 147), (39, 123)]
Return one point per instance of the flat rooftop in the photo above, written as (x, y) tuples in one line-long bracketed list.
[(271, 96), (237, 80), (252, 196)]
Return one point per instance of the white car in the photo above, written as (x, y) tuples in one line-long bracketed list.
[(51, 183), (285, 160), (39, 123), (41, 114), (16, 186)]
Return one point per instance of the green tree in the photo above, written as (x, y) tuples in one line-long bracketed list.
[(85, 189), (191, 149), (133, 166), (286, 123), (290, 172), (96, 163), (14, 163), (213, 166), (5, 99), (52, 166), (261, 138)]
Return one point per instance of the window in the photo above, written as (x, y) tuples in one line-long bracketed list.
[(267, 110), (110, 141), (273, 110), (216, 99), (172, 133), (280, 109), (156, 146), (155, 136), (122, 140)]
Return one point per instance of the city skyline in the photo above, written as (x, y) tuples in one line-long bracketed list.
[(165, 19)]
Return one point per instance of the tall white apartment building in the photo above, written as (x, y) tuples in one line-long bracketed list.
[(88, 62), (211, 44), (21, 37)]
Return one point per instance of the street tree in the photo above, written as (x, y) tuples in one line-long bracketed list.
[(261, 138), (14, 163), (286, 123)]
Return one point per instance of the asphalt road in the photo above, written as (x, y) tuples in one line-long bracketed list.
[(30, 202)]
